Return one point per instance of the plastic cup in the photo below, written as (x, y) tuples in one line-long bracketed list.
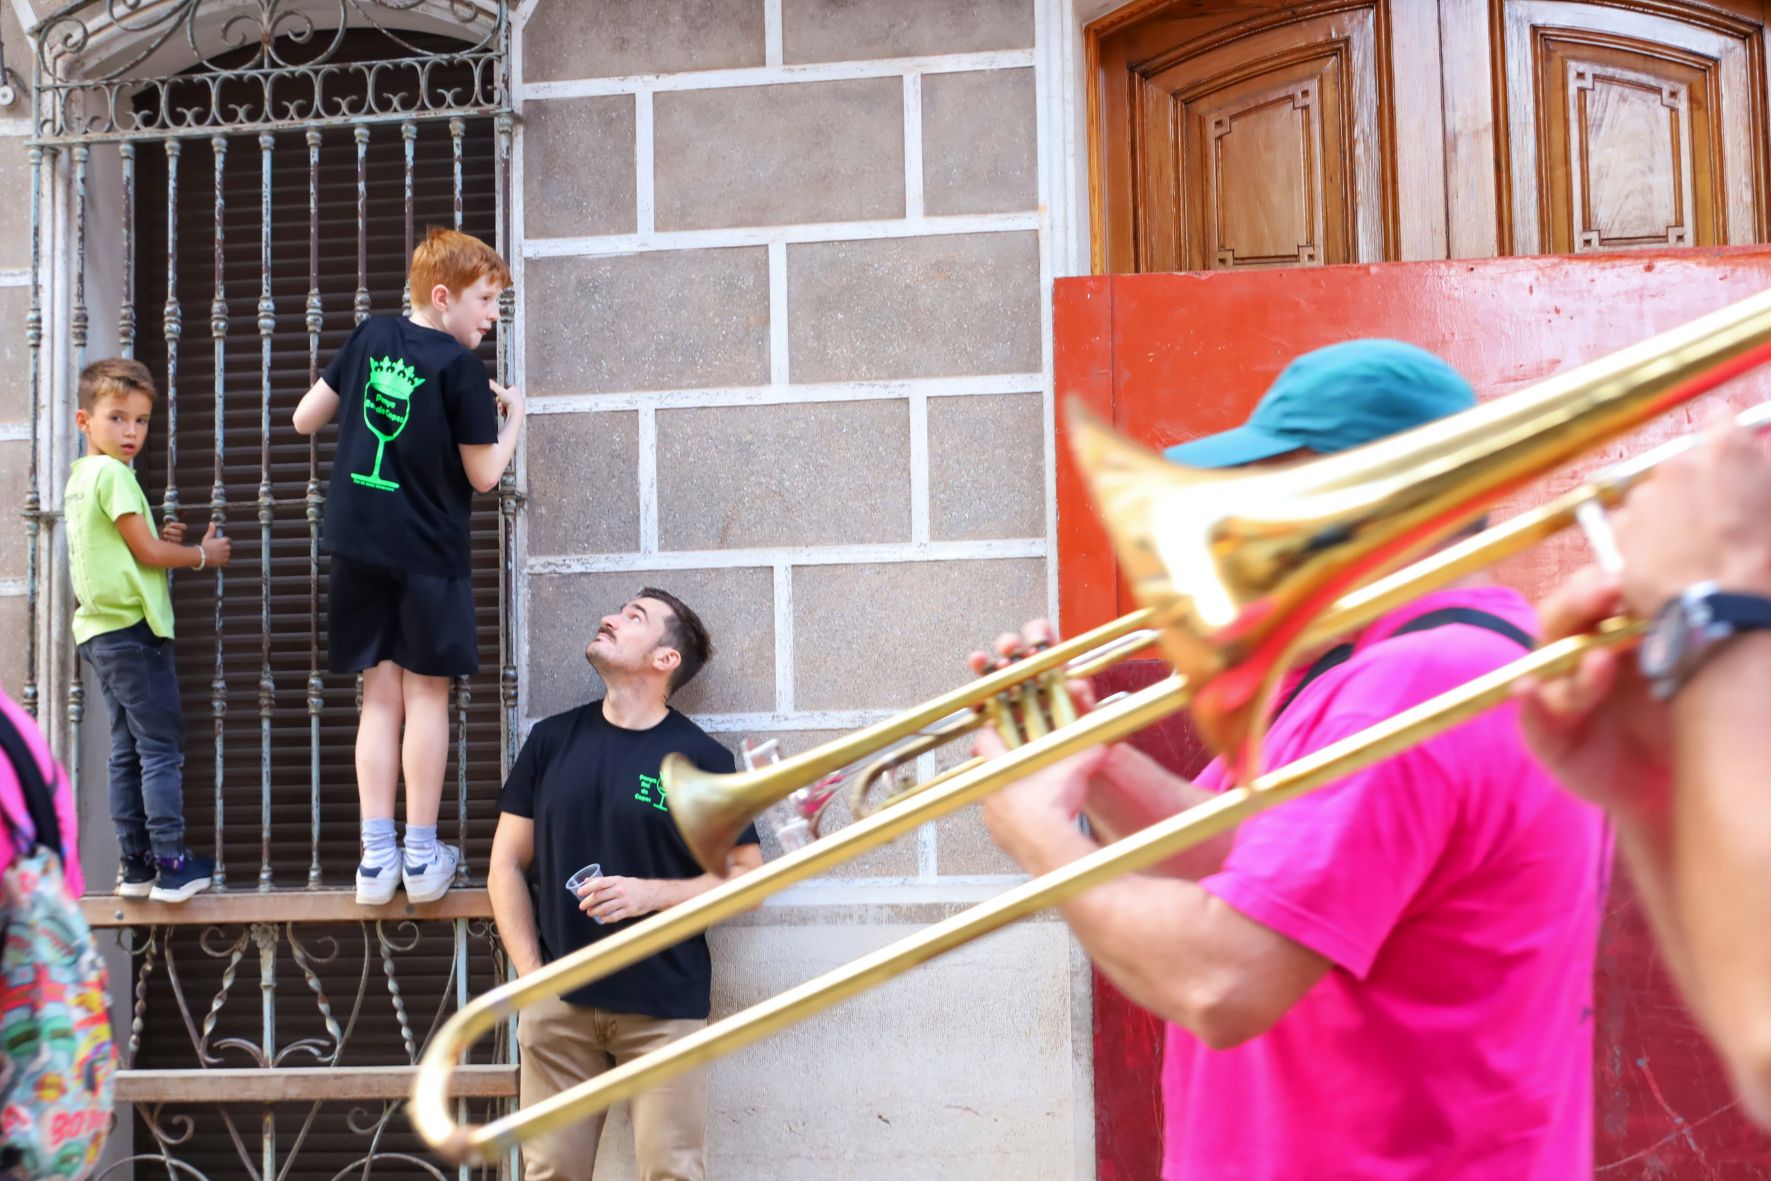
[(578, 881)]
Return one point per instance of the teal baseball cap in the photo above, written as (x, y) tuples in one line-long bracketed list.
[(1335, 398)]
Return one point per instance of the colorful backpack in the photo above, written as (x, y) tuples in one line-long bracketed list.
[(56, 1052)]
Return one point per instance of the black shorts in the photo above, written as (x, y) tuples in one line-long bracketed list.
[(421, 622)]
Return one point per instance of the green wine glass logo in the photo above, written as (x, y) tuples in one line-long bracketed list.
[(387, 404)]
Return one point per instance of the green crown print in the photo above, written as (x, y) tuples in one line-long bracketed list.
[(387, 405), (394, 378)]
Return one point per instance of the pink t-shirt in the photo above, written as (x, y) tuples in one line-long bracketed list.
[(12, 798), (1457, 891)]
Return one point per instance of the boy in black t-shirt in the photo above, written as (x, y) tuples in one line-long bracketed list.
[(584, 790), (417, 436)]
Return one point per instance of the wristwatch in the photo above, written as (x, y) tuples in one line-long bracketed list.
[(1690, 627)]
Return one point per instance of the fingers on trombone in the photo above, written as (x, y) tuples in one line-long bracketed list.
[(1036, 636), (1005, 651), (1022, 713), (1579, 606), (1040, 633), (1562, 704)]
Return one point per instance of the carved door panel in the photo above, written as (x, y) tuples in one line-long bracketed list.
[(1254, 134), (1257, 146), (1626, 129)]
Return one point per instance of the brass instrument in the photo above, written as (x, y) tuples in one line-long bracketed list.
[(1234, 571)]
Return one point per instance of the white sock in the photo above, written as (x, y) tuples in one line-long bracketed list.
[(421, 845), (379, 847)]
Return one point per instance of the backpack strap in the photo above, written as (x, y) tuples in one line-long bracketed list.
[(39, 799), (1444, 616), (1472, 617), (1339, 654)]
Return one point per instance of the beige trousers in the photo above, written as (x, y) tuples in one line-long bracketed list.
[(564, 1044)]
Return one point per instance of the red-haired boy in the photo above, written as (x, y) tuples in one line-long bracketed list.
[(419, 434)]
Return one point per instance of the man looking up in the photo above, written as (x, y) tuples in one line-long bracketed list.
[(585, 790)]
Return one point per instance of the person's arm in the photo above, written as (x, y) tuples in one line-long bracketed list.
[(1321, 882), (485, 462), (316, 408), (1705, 516), (164, 554), (1700, 857), (1721, 855), (1127, 790), (1167, 943), (613, 899), (1132, 791), (507, 882)]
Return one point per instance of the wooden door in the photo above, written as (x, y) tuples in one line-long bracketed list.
[(1259, 147), (1170, 357), (1627, 128), (1230, 136)]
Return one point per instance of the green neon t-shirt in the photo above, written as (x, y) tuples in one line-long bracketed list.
[(115, 591)]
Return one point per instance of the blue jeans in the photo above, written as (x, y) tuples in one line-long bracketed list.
[(135, 673)]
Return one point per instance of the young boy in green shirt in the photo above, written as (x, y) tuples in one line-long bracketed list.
[(123, 626)]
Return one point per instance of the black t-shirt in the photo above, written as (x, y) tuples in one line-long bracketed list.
[(592, 790), (408, 397)]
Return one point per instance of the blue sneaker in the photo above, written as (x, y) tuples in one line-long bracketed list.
[(376, 883), (427, 883), (181, 877), (135, 875)]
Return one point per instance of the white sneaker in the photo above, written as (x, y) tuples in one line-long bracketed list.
[(430, 882), (376, 884)]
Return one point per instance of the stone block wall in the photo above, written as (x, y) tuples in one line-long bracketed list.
[(781, 328), (781, 321)]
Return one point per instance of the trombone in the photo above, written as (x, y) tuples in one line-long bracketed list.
[(1234, 573)]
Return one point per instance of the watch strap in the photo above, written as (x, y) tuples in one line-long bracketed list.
[(1734, 611), (1711, 617)]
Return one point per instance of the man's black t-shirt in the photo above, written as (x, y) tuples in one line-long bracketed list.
[(408, 397), (592, 790)]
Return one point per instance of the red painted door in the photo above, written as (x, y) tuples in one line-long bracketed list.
[(1171, 357)]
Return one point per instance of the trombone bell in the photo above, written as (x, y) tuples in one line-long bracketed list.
[(1236, 566), (712, 810)]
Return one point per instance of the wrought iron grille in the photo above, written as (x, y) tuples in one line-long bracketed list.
[(317, 1096), (268, 163), (266, 65)]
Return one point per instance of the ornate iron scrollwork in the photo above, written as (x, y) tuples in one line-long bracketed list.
[(380, 944), (278, 63)]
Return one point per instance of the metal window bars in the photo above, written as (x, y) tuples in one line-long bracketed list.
[(112, 132)]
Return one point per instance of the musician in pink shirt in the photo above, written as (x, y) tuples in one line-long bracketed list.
[(1388, 978)]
